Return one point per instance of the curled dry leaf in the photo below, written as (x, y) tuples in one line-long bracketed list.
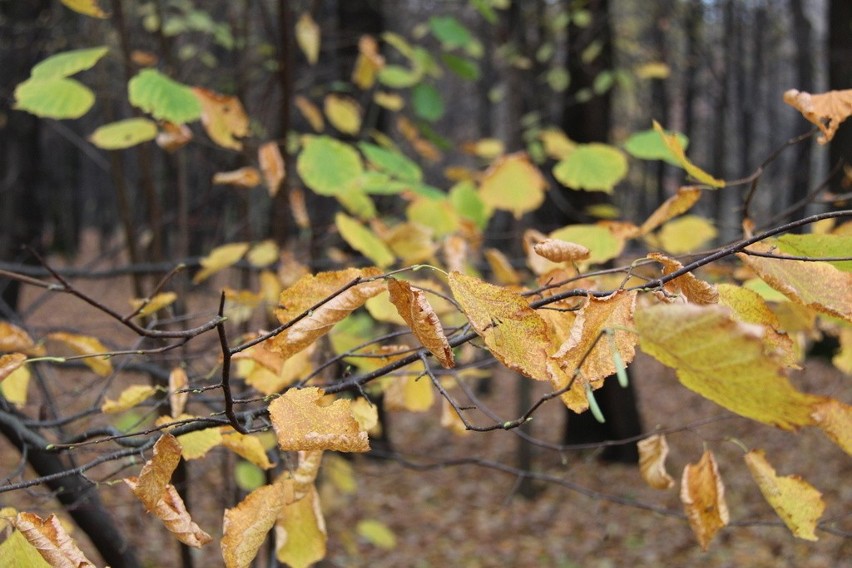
[(89, 347), (795, 500), (695, 290), (178, 382), (172, 137), (703, 496), (652, 462), (272, 166), (825, 110), (129, 397), (52, 542), (171, 510), (247, 177), (11, 363), (223, 118), (244, 527), (303, 422), (516, 335), (557, 250), (157, 472), (679, 203), (415, 309), (310, 290)]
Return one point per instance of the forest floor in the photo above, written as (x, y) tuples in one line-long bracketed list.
[(473, 516)]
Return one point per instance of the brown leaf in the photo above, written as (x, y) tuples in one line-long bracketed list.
[(52, 542), (245, 526), (303, 422), (556, 250), (695, 290), (679, 203), (703, 496), (272, 166), (311, 112), (247, 177), (173, 137), (415, 309), (10, 363), (825, 110), (155, 475), (171, 510), (308, 291), (368, 63), (516, 335), (223, 118), (13, 338), (652, 462)]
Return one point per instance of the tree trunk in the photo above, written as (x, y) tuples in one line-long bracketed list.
[(840, 77), (804, 76)]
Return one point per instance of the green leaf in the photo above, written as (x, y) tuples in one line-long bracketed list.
[(358, 203), (437, 215), (54, 98), (163, 98), (467, 203), (124, 133), (398, 77), (68, 63), (449, 31), (593, 167), (648, 145), (815, 246), (427, 102), (364, 240), (248, 476), (464, 68), (391, 162), (601, 242), (485, 10), (328, 166)]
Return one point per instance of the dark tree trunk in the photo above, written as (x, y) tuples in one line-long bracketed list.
[(840, 77), (805, 72)]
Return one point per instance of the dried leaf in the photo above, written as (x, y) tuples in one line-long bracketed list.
[(153, 305), (723, 360), (308, 37), (308, 291), (51, 540), (676, 205), (652, 462), (247, 177), (245, 526), (155, 475), (825, 110), (247, 447), (343, 113), (835, 420), (220, 258), (300, 531), (818, 285), (302, 422), (88, 346), (513, 183), (415, 309), (598, 334), (311, 112), (516, 335), (368, 63), (695, 290), (171, 510), (556, 250), (796, 501), (129, 397), (13, 338), (172, 137), (409, 392), (272, 166), (674, 145), (15, 387), (223, 118), (10, 363), (178, 381), (703, 496)]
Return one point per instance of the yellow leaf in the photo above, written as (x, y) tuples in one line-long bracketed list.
[(673, 144), (223, 118), (797, 503), (308, 37), (306, 472), (178, 381), (272, 165), (556, 144), (129, 397), (695, 290), (153, 305), (415, 309), (311, 113), (676, 205), (723, 360), (835, 420), (652, 462), (248, 447), (363, 240), (556, 250), (307, 292), (825, 110), (245, 526), (376, 533), (343, 113), (13, 338), (220, 258), (15, 551), (364, 413), (247, 177), (263, 253), (171, 510), (340, 473), (488, 148), (52, 541), (172, 137), (390, 101), (86, 7), (412, 243), (409, 392), (10, 363), (590, 356), (686, 234), (703, 496), (300, 532), (438, 215), (516, 335), (504, 272), (451, 420), (196, 444), (88, 346), (653, 70), (818, 285), (151, 484), (604, 243), (303, 423), (272, 371), (843, 359), (368, 63), (15, 386), (513, 183)]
